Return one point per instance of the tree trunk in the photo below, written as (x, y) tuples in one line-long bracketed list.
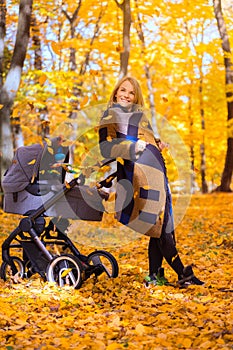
[(228, 167), (147, 73), (124, 54), (2, 36), (10, 87), (36, 42), (204, 186), (191, 146), (72, 21)]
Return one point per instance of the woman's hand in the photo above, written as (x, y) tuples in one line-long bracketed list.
[(140, 146)]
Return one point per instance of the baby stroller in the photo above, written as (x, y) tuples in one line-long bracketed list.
[(38, 245)]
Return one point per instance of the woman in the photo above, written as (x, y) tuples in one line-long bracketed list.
[(143, 200)]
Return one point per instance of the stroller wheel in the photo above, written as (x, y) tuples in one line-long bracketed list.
[(6, 270), (65, 269), (103, 261)]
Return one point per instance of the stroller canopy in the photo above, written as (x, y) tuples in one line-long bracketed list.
[(26, 165)]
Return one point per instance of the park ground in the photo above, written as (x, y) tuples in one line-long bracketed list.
[(121, 313)]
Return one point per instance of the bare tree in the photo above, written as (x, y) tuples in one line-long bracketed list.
[(36, 42), (228, 168), (9, 88), (72, 20)]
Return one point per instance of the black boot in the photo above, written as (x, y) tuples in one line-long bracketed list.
[(188, 278)]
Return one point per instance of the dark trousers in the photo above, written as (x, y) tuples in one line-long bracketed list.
[(165, 246)]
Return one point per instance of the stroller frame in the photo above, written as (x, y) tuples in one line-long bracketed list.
[(72, 268)]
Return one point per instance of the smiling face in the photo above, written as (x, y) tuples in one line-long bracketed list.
[(125, 94)]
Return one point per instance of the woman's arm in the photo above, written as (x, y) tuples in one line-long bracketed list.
[(112, 145)]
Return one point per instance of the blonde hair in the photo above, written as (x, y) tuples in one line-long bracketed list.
[(137, 90)]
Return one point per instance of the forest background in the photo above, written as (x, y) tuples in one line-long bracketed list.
[(59, 58)]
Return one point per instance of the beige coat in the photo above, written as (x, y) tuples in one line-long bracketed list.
[(141, 179)]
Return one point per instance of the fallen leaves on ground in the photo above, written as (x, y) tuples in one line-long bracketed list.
[(121, 313)]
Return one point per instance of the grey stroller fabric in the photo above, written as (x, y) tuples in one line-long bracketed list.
[(24, 167), (26, 190)]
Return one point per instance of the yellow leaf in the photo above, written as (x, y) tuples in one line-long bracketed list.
[(68, 93), (186, 342), (219, 241), (108, 117), (120, 160), (84, 102), (32, 162), (90, 193), (56, 48), (126, 142), (67, 184), (33, 177), (144, 124), (94, 97), (65, 272), (140, 329), (1, 106), (119, 49), (146, 188), (55, 172), (115, 322), (42, 79), (50, 150), (94, 72), (48, 141)]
